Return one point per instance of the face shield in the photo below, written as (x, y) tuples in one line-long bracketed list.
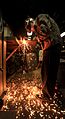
[(29, 24)]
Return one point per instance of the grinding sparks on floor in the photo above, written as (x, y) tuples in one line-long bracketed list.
[(26, 99)]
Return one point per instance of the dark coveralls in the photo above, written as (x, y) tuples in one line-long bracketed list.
[(49, 69), (51, 55)]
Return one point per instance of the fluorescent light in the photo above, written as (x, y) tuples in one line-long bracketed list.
[(62, 34)]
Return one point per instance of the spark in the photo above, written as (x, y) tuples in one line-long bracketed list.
[(22, 97), (24, 41)]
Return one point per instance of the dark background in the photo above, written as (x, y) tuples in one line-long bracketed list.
[(15, 12)]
